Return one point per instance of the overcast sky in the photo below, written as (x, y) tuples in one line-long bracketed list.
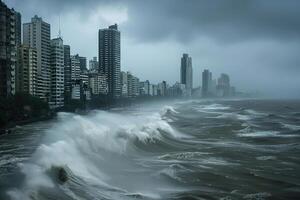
[(257, 42)]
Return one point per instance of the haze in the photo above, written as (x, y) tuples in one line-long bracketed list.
[(256, 42)]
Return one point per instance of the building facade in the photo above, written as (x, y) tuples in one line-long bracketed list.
[(26, 77), (124, 84), (206, 82), (67, 74), (94, 65), (36, 34), (186, 73), (57, 73), (82, 61), (75, 68), (110, 58), (9, 41), (98, 84)]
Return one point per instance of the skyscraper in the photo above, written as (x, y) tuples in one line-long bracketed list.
[(109, 58), (27, 70), (224, 85), (75, 68), (186, 73), (9, 39), (57, 73), (206, 82), (93, 64), (67, 73), (36, 34), (82, 61)]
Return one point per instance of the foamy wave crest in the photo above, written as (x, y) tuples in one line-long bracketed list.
[(168, 110), (80, 143)]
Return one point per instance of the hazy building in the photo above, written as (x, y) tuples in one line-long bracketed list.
[(94, 65), (206, 82), (109, 58), (36, 34), (177, 90), (9, 41), (133, 85), (67, 73), (26, 76), (154, 90), (150, 90), (162, 89), (223, 86), (98, 84), (57, 73), (75, 68), (82, 63), (76, 86), (186, 73), (144, 87), (124, 84)]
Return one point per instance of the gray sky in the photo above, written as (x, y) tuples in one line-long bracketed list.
[(257, 42)]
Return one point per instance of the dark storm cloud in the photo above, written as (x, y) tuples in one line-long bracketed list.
[(225, 21)]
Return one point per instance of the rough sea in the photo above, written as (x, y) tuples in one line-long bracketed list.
[(188, 150)]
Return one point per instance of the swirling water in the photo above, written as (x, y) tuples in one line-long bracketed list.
[(233, 149)]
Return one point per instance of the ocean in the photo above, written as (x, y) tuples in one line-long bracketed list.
[(185, 149)]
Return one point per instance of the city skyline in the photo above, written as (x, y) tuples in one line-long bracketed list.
[(237, 50)]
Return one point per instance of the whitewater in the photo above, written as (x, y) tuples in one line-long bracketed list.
[(196, 149)]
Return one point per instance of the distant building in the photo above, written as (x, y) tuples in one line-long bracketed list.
[(144, 88), (124, 84), (133, 85), (94, 65), (75, 68), (67, 73), (162, 89), (109, 58), (76, 86), (150, 90), (98, 84), (36, 34), (82, 61), (177, 90), (186, 73), (57, 73), (223, 86), (9, 41), (154, 90), (206, 83), (27, 70)]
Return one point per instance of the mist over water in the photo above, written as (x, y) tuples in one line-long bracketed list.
[(239, 149)]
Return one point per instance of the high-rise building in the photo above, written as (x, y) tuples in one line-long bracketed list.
[(206, 79), (9, 41), (75, 68), (124, 84), (223, 86), (57, 73), (36, 34), (186, 73), (18, 24), (109, 58), (82, 61), (26, 76), (144, 88), (98, 84), (93, 65), (68, 73), (162, 89), (133, 85)]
